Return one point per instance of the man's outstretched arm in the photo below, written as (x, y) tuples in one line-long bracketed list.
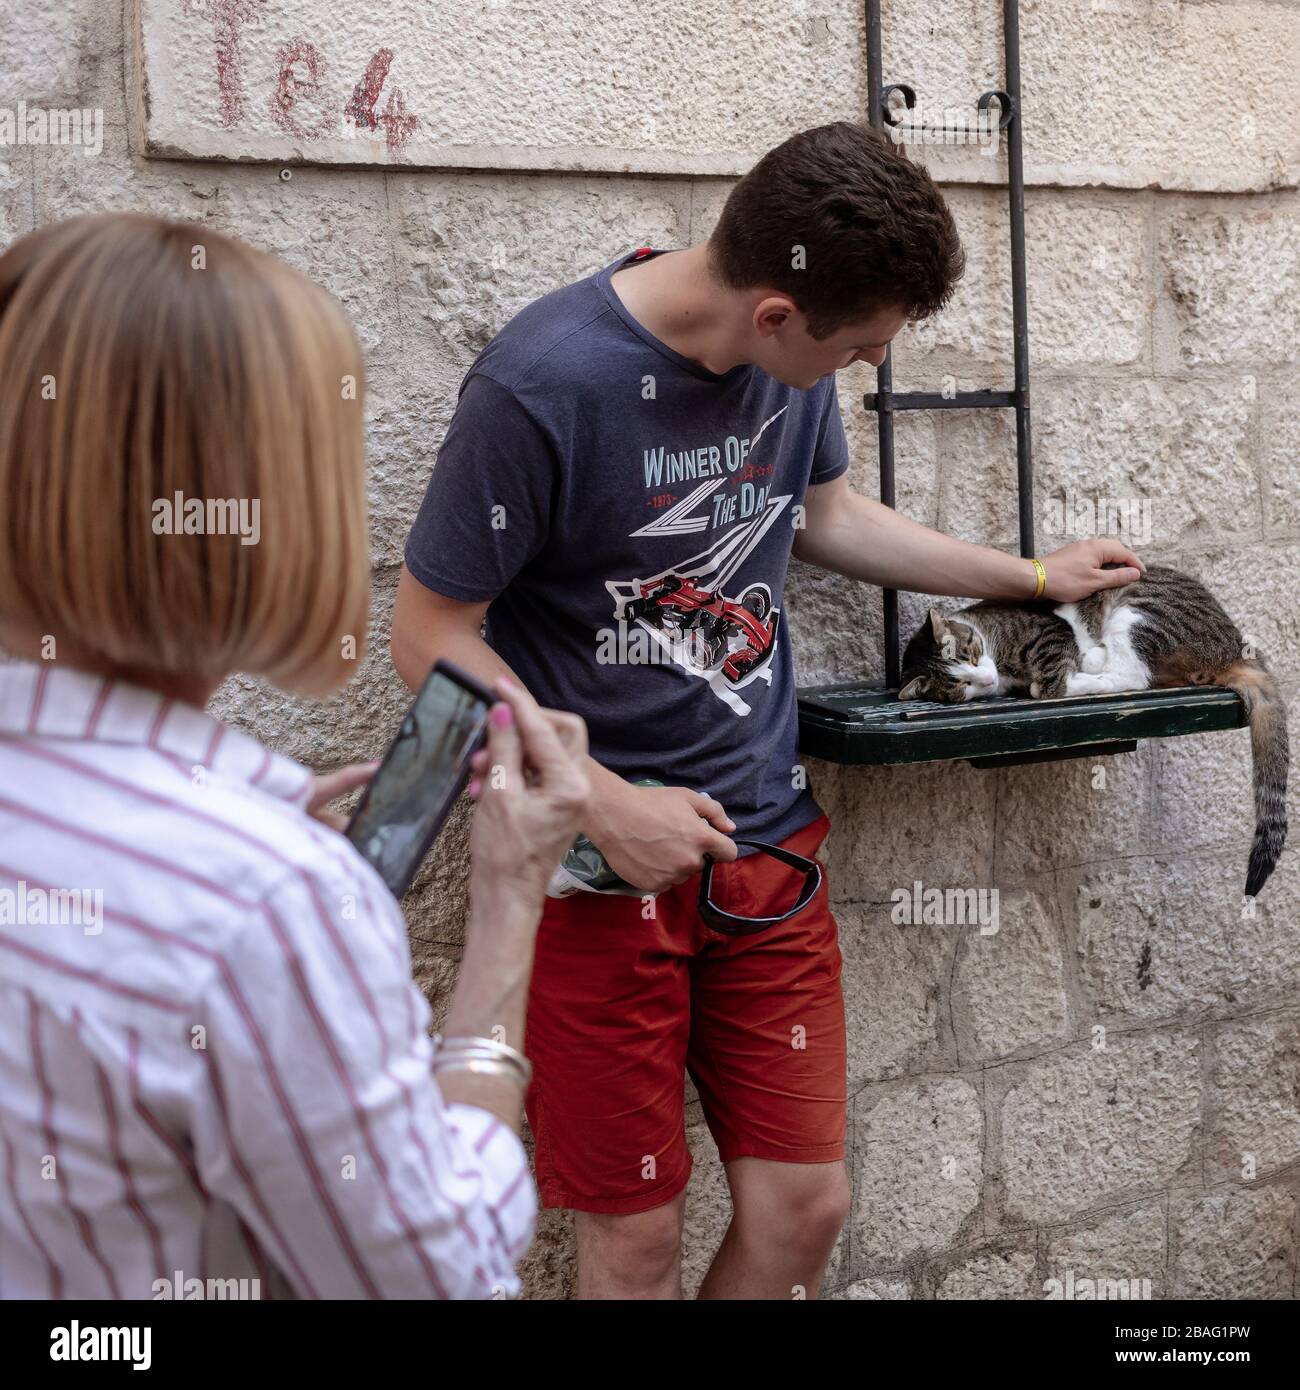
[(863, 539)]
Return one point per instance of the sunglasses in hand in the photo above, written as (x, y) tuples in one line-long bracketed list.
[(733, 923)]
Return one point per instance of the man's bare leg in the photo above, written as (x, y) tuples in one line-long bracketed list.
[(636, 1256), (787, 1218)]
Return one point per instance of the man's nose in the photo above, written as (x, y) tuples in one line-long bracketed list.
[(875, 356)]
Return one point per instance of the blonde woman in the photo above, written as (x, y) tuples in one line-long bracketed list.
[(214, 1064)]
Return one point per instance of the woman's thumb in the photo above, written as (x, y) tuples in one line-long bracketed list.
[(506, 770)]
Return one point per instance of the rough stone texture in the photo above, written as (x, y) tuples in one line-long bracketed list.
[(993, 1274), (42, 46), (895, 994), (1254, 1099), (471, 252), (351, 726), (1088, 121), (834, 634), (332, 226), (1156, 464), (1185, 450), (1256, 584), (405, 423), (1126, 1245), (893, 825), (918, 1170), (1086, 1126), (1195, 772), (1211, 770), (1099, 810), (1280, 431), (1175, 938), (1221, 270), (547, 1268), (1009, 985), (875, 1289), (1163, 336), (15, 196), (668, 88), (1231, 1243), (916, 451), (977, 490), (663, 88), (1094, 276)]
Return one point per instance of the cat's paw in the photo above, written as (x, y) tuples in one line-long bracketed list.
[(1094, 660), (1105, 683)]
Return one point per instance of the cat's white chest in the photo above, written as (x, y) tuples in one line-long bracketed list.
[(1110, 663)]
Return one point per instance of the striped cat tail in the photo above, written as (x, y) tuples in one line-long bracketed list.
[(1270, 752)]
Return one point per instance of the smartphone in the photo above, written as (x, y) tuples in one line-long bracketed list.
[(423, 772)]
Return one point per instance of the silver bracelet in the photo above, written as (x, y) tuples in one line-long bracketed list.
[(483, 1067), (483, 1055)]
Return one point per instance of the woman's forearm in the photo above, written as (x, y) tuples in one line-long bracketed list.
[(490, 999)]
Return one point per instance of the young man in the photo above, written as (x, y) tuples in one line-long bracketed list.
[(631, 463)]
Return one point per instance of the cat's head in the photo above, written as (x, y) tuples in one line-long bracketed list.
[(946, 661)]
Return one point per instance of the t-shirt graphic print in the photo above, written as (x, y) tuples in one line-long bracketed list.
[(628, 516), (700, 610)]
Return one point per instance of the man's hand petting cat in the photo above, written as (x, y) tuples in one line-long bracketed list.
[(1083, 567)]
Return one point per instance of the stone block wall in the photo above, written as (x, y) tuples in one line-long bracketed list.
[(1109, 1086)]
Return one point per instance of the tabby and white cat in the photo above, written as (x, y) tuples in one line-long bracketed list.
[(1164, 629)]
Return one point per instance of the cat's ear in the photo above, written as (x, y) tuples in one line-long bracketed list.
[(912, 690), (937, 622)]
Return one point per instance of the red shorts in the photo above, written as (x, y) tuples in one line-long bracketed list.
[(621, 1006)]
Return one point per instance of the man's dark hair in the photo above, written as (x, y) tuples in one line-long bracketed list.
[(874, 229)]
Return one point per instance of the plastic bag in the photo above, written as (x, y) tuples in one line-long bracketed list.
[(584, 869)]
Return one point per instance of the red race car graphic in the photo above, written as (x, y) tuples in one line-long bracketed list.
[(708, 622)]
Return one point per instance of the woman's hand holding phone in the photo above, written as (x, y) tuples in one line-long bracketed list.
[(532, 791)]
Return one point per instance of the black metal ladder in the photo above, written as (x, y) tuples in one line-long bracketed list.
[(885, 400), (857, 723)]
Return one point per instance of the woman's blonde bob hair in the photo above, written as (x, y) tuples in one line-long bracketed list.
[(164, 386)]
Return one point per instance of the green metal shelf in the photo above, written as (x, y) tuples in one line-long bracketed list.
[(868, 725)]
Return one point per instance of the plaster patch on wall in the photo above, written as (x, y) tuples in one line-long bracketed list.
[(660, 87), (1202, 98)]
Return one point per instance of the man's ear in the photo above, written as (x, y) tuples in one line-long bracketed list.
[(772, 312), (912, 690)]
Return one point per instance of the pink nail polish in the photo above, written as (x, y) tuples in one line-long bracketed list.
[(502, 716)]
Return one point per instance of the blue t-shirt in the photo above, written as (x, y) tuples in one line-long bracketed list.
[(631, 516)]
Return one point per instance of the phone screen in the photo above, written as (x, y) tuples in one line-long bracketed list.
[(422, 774)]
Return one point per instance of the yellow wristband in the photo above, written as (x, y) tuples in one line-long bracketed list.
[(1042, 578)]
